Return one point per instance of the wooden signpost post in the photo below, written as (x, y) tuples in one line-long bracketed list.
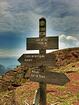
[(41, 61)]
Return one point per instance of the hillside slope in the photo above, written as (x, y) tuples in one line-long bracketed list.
[(15, 89)]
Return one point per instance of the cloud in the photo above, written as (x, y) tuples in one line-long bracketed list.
[(7, 53), (17, 16), (68, 25), (68, 41), (16, 53), (23, 15)]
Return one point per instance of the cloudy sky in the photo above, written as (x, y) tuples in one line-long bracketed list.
[(19, 19)]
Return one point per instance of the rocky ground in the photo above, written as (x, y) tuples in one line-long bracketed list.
[(15, 89)]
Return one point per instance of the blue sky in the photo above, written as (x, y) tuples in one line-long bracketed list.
[(19, 19)]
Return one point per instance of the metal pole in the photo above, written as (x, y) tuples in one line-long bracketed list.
[(36, 97)]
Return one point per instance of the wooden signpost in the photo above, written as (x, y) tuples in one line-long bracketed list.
[(41, 61)]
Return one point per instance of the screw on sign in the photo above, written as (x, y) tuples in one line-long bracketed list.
[(41, 60)]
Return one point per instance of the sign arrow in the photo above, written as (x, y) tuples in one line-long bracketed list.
[(49, 77), (32, 60)]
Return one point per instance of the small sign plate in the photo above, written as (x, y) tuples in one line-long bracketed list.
[(49, 77), (42, 43), (32, 60)]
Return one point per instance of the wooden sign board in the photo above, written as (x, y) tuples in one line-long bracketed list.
[(42, 43), (49, 77), (32, 60)]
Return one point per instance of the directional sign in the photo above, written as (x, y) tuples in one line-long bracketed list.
[(49, 77), (42, 43), (31, 60)]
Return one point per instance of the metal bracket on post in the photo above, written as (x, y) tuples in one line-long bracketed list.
[(36, 97)]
